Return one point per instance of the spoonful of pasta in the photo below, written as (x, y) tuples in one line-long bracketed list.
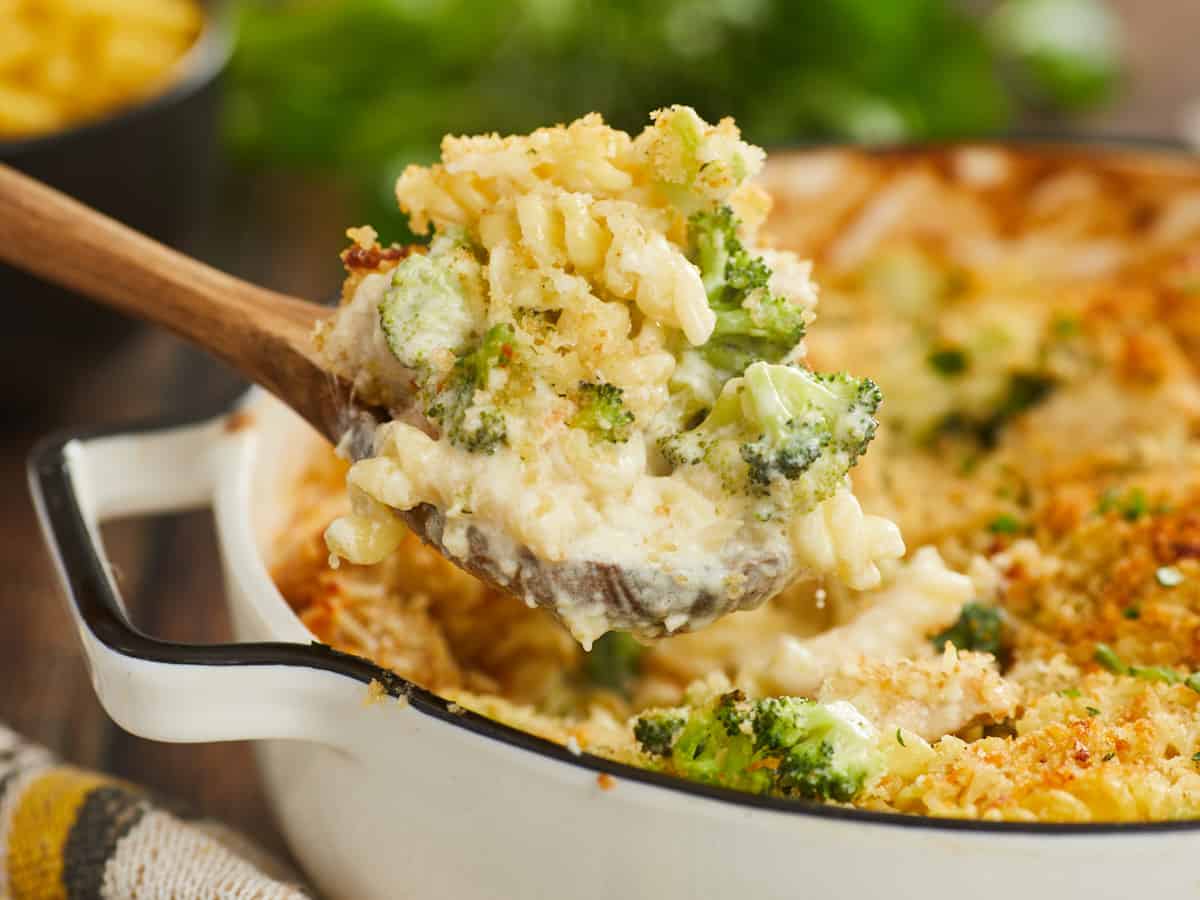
[(587, 388)]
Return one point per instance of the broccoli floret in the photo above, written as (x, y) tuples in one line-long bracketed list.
[(804, 414), (706, 750), (766, 331), (614, 661), (730, 711), (780, 745), (656, 732), (693, 164), (431, 304), (1023, 391), (978, 627), (602, 413), (752, 323), (726, 268), (466, 423), (784, 431), (825, 751)]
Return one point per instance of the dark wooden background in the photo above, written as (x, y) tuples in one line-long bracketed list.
[(283, 233)]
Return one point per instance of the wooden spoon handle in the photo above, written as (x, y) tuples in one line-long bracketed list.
[(265, 335)]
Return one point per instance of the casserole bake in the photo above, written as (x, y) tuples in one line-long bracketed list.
[(1029, 322), (420, 804)]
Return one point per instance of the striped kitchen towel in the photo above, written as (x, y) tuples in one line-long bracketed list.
[(68, 834)]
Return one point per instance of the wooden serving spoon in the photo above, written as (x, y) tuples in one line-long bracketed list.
[(267, 336)]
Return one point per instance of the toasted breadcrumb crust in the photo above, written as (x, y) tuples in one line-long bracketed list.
[(365, 255), (928, 697), (952, 277)]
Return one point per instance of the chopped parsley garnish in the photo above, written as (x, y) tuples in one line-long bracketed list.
[(1107, 756), (1066, 326), (1092, 711), (1132, 612), (1131, 507), (1005, 523), (1070, 692), (1107, 657), (948, 361), (1168, 576), (1196, 757), (1135, 505), (900, 738), (1156, 673)]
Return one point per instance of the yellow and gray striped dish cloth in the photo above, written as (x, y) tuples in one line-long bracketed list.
[(69, 834)]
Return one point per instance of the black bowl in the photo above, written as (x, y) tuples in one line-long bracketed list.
[(152, 166)]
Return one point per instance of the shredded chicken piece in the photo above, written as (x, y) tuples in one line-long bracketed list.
[(929, 697), (924, 598)]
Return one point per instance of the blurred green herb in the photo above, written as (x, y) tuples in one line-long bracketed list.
[(948, 361), (363, 87), (979, 628), (1107, 657), (614, 661), (1131, 506), (1005, 524), (1065, 49)]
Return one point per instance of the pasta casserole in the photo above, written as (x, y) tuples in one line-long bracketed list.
[(1030, 318)]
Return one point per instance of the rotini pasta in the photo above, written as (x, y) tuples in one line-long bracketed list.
[(588, 157), (562, 327), (617, 246), (838, 539)]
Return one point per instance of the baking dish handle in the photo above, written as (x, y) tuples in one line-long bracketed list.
[(162, 690)]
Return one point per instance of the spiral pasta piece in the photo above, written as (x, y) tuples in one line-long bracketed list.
[(612, 243), (679, 158), (838, 538)]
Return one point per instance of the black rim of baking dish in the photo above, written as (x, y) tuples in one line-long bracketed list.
[(91, 592), (199, 66)]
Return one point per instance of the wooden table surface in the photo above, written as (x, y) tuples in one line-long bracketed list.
[(168, 568)]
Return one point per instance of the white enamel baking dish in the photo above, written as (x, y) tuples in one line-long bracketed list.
[(417, 799), (390, 800)]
